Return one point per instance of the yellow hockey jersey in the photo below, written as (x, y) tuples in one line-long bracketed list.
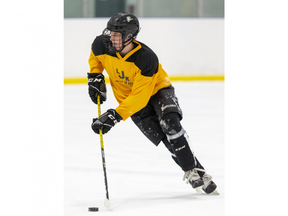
[(134, 78)]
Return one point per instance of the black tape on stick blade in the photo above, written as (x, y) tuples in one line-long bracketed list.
[(93, 209)]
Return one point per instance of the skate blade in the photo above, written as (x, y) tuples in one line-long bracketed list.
[(215, 192), (199, 190)]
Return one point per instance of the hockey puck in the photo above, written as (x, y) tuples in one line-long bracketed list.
[(93, 209)]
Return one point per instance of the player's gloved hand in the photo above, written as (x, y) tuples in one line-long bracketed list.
[(96, 83), (106, 121)]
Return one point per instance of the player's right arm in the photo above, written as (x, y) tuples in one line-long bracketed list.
[(96, 80)]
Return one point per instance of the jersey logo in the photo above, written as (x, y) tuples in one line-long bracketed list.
[(122, 75)]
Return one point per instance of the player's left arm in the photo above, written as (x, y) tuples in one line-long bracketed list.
[(139, 97), (142, 90)]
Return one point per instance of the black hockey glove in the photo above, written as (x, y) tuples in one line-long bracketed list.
[(96, 83), (106, 121)]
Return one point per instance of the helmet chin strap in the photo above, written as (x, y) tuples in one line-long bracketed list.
[(125, 45)]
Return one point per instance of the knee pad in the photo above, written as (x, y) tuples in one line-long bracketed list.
[(170, 124)]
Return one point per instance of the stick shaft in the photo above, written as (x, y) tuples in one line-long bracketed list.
[(102, 150)]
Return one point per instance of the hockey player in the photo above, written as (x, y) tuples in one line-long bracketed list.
[(144, 93)]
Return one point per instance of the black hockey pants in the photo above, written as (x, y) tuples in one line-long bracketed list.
[(160, 120)]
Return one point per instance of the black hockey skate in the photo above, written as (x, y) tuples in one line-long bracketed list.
[(204, 183), (209, 186)]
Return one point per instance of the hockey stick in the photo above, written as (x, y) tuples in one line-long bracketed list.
[(106, 201)]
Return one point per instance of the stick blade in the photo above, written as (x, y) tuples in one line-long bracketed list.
[(107, 203)]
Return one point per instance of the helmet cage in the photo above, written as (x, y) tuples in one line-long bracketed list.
[(124, 23)]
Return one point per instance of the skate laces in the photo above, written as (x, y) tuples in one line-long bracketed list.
[(192, 175)]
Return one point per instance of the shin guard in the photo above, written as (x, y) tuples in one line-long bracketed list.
[(178, 143), (182, 151)]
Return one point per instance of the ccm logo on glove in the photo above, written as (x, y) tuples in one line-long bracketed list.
[(94, 80), (97, 86)]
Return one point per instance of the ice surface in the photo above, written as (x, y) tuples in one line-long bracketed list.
[(142, 178)]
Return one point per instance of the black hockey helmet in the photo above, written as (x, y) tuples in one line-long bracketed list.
[(125, 23)]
